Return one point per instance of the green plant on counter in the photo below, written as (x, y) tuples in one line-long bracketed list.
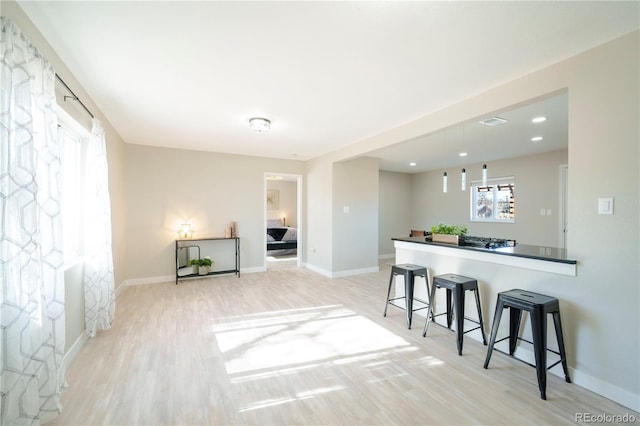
[(443, 228), (194, 262)]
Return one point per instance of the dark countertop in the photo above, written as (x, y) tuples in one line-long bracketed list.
[(551, 254)]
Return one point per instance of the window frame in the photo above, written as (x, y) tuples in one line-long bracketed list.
[(69, 128), (494, 184)]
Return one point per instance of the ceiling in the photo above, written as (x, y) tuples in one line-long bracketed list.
[(327, 74), (481, 142)]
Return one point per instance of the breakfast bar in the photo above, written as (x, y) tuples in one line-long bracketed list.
[(497, 269), (548, 259)]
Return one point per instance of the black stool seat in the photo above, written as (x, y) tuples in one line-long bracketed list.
[(538, 306), (456, 286), (409, 272)]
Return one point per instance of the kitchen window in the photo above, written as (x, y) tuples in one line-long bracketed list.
[(494, 202)]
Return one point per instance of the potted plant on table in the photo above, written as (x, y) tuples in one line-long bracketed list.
[(195, 264), (204, 265), (450, 234)]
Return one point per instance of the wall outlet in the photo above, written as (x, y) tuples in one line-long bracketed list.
[(543, 212)]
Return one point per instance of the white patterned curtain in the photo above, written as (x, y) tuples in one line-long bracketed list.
[(99, 297), (31, 261)]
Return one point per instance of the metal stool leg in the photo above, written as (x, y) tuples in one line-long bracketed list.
[(515, 317), (432, 295), (563, 356), (479, 309), (458, 303), (408, 295), (539, 329), (494, 331), (388, 294)]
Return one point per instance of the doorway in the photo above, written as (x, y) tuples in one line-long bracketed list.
[(283, 220)]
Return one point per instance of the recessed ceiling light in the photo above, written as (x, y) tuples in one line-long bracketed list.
[(539, 119), (412, 164), (463, 154), (536, 139)]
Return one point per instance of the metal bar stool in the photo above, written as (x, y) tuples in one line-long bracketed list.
[(456, 286), (538, 306), (409, 272)]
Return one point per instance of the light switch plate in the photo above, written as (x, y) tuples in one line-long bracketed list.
[(605, 205)]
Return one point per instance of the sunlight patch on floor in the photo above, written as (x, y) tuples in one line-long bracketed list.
[(299, 396), (287, 338)]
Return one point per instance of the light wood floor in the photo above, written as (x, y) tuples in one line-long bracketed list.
[(290, 347)]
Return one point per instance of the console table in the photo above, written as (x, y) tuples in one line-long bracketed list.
[(192, 246)]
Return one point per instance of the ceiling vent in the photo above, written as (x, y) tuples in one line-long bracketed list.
[(493, 121)]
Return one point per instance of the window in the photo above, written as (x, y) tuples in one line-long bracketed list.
[(494, 202), (72, 136)]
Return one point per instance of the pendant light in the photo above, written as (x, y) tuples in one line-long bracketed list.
[(444, 176), (484, 166), (463, 174), (463, 180)]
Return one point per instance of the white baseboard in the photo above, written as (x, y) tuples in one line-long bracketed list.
[(172, 278), (340, 274), (320, 271), (150, 280), (350, 272), (120, 289), (75, 349), (608, 390)]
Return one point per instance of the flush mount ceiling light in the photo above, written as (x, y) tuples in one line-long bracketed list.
[(259, 124), (412, 164), (493, 121), (539, 119), (536, 138)]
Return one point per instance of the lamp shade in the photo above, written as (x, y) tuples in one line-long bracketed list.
[(185, 231)]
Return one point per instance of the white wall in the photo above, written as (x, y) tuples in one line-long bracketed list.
[(537, 179), (317, 238), (355, 216), (600, 305), (395, 208), (208, 190)]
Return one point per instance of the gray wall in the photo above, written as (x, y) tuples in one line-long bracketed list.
[(395, 209), (355, 232)]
